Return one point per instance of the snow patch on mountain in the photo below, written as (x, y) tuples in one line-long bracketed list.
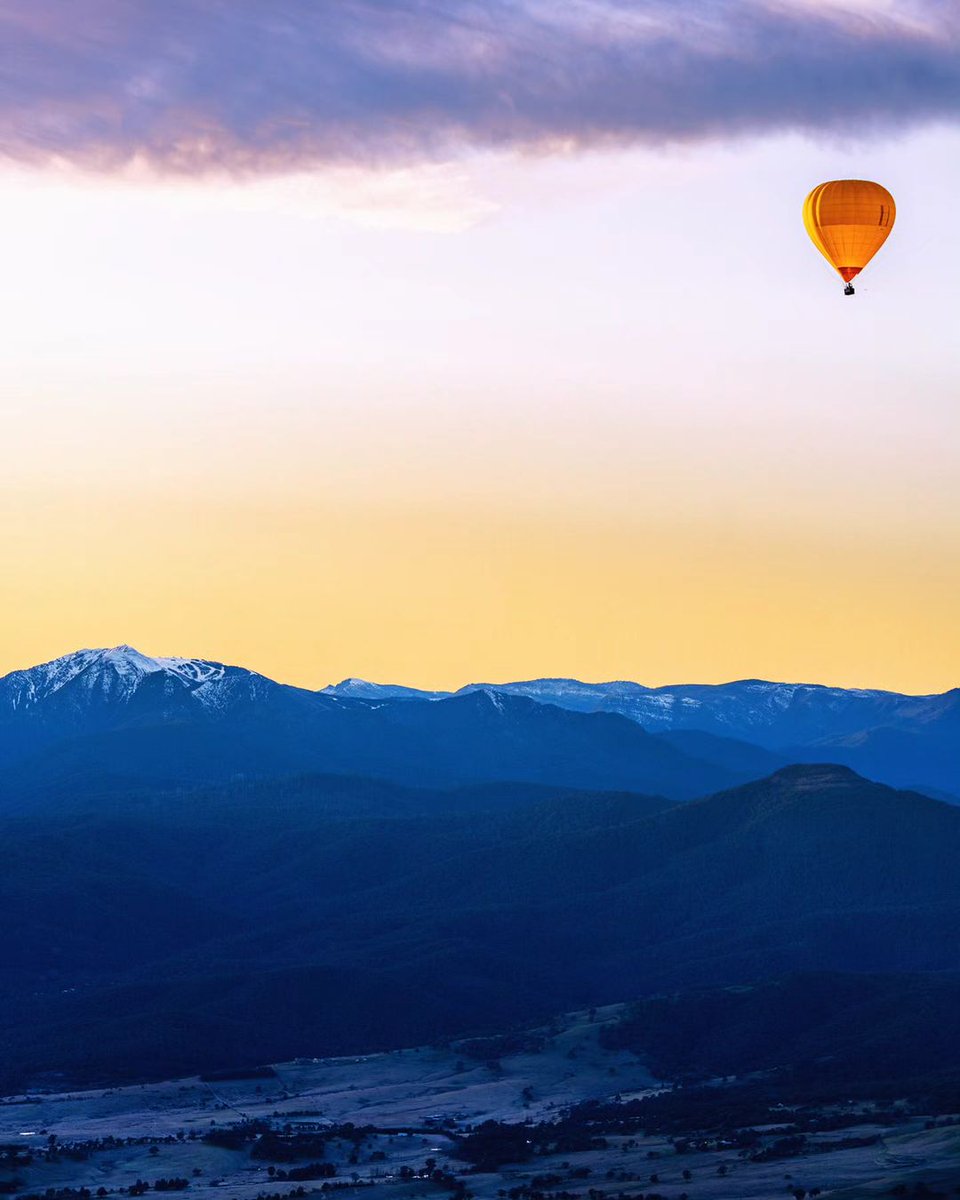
[(113, 674), (362, 689), (776, 716)]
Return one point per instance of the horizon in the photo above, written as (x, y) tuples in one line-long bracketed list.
[(474, 683)]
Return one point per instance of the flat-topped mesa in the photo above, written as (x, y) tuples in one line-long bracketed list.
[(816, 776)]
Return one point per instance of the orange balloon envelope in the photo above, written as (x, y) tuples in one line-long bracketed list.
[(848, 221)]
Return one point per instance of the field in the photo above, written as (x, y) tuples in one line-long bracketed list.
[(404, 1124)]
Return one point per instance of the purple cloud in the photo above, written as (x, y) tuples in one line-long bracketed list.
[(263, 85)]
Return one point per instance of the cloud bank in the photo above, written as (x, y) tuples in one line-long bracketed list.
[(263, 86)]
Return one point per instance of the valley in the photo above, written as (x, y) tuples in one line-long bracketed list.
[(546, 1112)]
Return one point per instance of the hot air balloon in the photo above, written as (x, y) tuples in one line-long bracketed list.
[(848, 221)]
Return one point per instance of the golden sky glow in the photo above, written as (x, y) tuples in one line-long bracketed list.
[(531, 417), (438, 598)]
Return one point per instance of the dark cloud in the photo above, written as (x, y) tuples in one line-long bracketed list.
[(263, 85)]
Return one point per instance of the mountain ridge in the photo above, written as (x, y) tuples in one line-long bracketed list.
[(168, 720), (498, 911), (755, 725)]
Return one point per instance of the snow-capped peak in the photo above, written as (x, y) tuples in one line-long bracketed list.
[(194, 670), (362, 689), (117, 670)]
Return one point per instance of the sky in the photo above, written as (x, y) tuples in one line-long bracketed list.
[(435, 343)]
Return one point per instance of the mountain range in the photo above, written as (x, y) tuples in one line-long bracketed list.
[(201, 867), (907, 740), (119, 713), (156, 933)]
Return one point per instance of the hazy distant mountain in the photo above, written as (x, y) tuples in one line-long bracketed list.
[(262, 920), (117, 714), (770, 714), (360, 689), (904, 740)]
